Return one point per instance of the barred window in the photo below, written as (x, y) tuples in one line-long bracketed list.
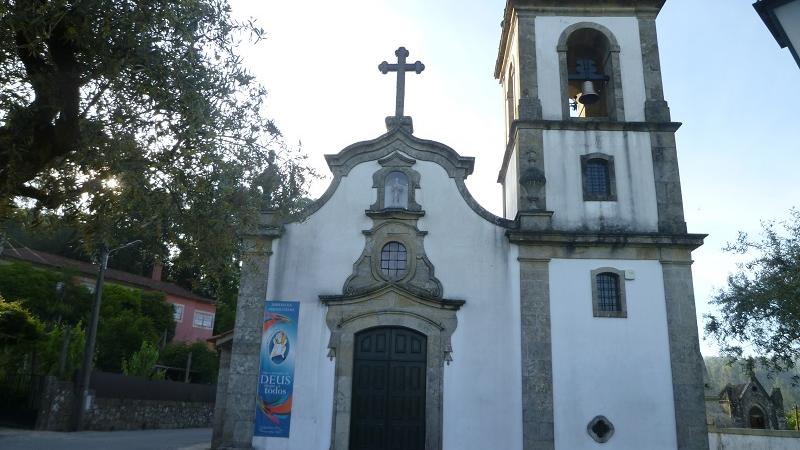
[(598, 177), (394, 260), (608, 292), (597, 180)]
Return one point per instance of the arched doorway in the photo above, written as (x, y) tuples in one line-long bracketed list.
[(389, 388), (756, 418)]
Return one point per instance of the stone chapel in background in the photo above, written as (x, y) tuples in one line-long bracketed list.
[(426, 322)]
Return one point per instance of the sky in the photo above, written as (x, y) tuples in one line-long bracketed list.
[(724, 77)]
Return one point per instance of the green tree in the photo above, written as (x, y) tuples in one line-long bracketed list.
[(127, 319), (142, 363), (759, 309), (18, 328), (791, 418), (49, 351), (138, 121), (51, 296), (205, 362)]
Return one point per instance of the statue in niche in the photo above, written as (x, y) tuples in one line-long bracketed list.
[(396, 191)]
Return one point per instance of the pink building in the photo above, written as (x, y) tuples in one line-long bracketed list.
[(194, 315)]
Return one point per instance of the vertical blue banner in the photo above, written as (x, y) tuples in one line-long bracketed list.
[(276, 378)]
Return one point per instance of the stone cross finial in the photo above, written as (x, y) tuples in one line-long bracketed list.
[(401, 68)]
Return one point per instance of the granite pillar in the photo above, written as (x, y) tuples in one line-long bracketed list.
[(685, 358), (239, 412), (537, 359)]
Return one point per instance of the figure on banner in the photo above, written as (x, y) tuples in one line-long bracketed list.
[(280, 346)]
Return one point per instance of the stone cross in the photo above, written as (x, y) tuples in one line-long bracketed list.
[(401, 68)]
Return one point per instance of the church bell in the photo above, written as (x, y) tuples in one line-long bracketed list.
[(588, 95)]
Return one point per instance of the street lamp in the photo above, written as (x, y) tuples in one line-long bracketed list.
[(82, 394), (782, 17)]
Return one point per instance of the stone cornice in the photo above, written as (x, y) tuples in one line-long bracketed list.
[(570, 8), (441, 303), (376, 149), (579, 125), (268, 227), (575, 239)]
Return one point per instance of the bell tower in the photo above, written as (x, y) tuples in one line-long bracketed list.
[(583, 78), (590, 177)]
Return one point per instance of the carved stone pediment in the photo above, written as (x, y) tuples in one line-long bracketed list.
[(418, 274)]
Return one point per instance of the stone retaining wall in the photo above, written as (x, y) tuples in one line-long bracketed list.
[(110, 414)]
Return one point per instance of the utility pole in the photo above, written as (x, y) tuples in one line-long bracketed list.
[(82, 393)]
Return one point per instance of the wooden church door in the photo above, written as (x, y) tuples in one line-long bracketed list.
[(388, 408)]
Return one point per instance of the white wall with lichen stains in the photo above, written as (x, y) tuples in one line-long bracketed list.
[(636, 207)]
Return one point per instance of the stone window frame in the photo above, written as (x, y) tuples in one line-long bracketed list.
[(612, 178), (389, 307), (411, 257), (622, 313), (380, 260), (616, 110), (606, 437)]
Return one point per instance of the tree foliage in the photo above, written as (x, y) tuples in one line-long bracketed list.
[(137, 120), (723, 371), (17, 326), (759, 309), (142, 363), (49, 354), (129, 317), (51, 296), (205, 362)]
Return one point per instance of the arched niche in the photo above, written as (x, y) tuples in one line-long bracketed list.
[(594, 42)]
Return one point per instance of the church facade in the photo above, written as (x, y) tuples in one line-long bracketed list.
[(426, 322)]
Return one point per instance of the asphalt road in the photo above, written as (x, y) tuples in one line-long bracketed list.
[(185, 439)]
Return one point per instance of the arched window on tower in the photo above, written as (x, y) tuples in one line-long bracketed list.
[(599, 183), (592, 74), (608, 293)]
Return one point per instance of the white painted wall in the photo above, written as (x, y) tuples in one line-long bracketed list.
[(626, 31), (636, 207), (474, 262), (725, 441), (618, 368), (311, 258)]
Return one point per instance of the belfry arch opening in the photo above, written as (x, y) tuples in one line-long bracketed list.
[(591, 60)]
